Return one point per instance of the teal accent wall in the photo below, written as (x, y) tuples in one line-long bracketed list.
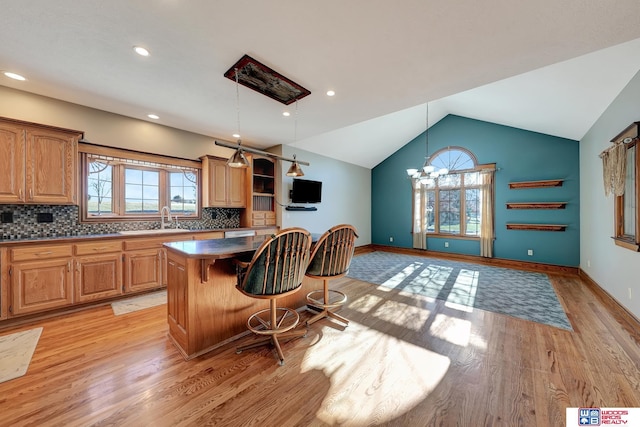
[(519, 155)]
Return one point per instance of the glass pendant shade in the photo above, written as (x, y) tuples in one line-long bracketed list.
[(295, 170), (238, 160)]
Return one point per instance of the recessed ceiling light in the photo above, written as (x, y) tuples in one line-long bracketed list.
[(153, 116), (14, 76), (286, 113), (141, 51), (330, 93), (236, 135)]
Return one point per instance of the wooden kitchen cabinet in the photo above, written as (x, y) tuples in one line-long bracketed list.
[(41, 278), (38, 163), (12, 163), (223, 186), (98, 270), (143, 269), (41, 285), (263, 193)]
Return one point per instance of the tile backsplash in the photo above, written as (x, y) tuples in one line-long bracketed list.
[(65, 222)]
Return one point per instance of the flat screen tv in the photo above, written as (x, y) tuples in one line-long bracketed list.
[(306, 191)]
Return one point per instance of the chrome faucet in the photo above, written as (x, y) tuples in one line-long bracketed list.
[(163, 224)]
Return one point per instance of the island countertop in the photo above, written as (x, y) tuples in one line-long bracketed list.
[(216, 248)]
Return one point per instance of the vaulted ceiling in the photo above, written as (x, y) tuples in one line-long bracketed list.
[(544, 65)]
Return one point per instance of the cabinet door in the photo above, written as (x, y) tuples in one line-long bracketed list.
[(97, 277), (237, 189), (12, 158), (50, 167), (218, 175), (177, 302), (143, 270), (41, 285)]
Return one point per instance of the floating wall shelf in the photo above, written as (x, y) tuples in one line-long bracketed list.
[(536, 205), (537, 227), (536, 184)]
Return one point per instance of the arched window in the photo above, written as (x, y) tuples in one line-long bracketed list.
[(459, 202)]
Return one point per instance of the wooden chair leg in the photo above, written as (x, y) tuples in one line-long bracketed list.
[(338, 317)]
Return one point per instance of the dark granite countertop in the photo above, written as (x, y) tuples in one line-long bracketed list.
[(70, 238)]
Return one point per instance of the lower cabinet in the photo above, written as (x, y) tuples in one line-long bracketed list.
[(98, 277), (41, 285), (143, 269)]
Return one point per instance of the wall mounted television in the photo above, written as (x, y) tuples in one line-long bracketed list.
[(306, 191)]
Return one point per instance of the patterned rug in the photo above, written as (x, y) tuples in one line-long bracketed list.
[(16, 351), (515, 293), (139, 303)]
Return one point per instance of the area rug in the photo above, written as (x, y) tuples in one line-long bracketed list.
[(139, 303), (16, 351), (521, 294)]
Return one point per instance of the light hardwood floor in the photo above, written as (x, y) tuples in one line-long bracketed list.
[(403, 361)]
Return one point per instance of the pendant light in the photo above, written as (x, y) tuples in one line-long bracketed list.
[(295, 170), (238, 159), (428, 173)]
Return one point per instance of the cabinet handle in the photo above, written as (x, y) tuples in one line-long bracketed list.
[(31, 194), (20, 194), (100, 248), (43, 253), (69, 266)]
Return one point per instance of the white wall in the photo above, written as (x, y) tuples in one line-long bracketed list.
[(104, 128), (346, 195), (614, 268)]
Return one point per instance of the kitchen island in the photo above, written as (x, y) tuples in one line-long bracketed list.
[(205, 310)]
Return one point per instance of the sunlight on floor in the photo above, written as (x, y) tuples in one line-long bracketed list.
[(404, 315), (400, 277), (374, 377), (451, 329), (463, 293)]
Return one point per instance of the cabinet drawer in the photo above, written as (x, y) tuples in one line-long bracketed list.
[(147, 243), (103, 247), (258, 215), (40, 252), (270, 215)]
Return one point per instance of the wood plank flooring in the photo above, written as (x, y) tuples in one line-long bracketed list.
[(404, 360)]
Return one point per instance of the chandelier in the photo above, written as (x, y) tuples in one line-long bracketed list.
[(427, 174)]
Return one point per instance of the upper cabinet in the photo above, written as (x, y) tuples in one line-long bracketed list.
[(37, 164), (223, 186)]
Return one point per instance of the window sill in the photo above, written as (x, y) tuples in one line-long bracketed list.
[(626, 243), (452, 236)]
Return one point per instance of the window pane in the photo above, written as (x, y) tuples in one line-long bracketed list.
[(472, 204), (449, 214), (629, 194), (431, 210), (450, 180), (99, 187), (471, 179), (133, 176), (454, 160), (142, 191), (183, 192)]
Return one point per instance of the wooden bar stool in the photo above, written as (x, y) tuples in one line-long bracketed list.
[(276, 270), (330, 259)]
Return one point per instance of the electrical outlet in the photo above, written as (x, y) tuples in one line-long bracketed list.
[(630, 294), (391, 239), (588, 263), (530, 252), (446, 244)]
